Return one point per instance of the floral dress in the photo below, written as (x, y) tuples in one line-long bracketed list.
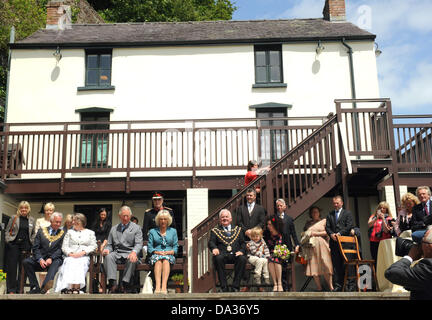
[(272, 241)]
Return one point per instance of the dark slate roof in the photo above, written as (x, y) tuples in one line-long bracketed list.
[(184, 33)]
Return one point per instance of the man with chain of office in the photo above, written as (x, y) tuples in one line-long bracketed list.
[(228, 246)]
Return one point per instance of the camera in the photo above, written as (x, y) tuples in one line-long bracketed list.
[(403, 246)]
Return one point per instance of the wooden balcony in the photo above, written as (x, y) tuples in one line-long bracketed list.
[(127, 155)]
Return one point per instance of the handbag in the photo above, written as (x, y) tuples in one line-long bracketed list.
[(148, 285)]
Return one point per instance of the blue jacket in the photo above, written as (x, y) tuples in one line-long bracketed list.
[(155, 241)]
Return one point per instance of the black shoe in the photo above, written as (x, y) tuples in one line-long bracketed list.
[(234, 289), (35, 291), (225, 289), (113, 289)]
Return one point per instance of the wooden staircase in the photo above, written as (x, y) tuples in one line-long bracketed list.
[(302, 176)]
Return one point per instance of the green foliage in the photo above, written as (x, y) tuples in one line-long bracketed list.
[(164, 10), (26, 16)]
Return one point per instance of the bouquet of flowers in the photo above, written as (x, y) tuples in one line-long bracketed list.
[(281, 251), (2, 275)]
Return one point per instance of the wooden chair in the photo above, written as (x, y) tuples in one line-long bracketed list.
[(349, 245)]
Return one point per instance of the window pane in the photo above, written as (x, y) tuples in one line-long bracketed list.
[(92, 78), (261, 74), (105, 61), (274, 58), (275, 75), (105, 77), (92, 61), (260, 58)]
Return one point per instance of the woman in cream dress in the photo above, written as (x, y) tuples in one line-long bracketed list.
[(78, 243), (317, 250)]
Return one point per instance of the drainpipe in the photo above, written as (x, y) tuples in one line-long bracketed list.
[(353, 93), (11, 40)]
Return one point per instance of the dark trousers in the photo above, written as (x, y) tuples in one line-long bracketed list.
[(15, 252), (31, 266), (239, 268), (338, 264), (374, 250)]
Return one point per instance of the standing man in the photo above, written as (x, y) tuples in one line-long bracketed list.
[(124, 245), (289, 231), (288, 222), (339, 222), (421, 213), (250, 215), (228, 246), (150, 214), (47, 254)]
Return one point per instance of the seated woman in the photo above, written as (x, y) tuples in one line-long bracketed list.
[(78, 243), (275, 236), (317, 250), (162, 246), (404, 219)]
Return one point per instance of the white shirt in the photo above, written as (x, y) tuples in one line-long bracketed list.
[(250, 206)]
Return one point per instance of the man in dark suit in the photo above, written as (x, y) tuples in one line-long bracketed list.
[(47, 254), (228, 246), (417, 279), (421, 213), (289, 232), (251, 214), (339, 222), (288, 224)]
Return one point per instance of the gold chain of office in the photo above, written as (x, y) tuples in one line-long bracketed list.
[(50, 237), (226, 239)]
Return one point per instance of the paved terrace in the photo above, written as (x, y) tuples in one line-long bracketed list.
[(216, 296)]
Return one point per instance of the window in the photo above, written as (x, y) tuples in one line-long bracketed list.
[(94, 146), (274, 136), (98, 68), (268, 66)]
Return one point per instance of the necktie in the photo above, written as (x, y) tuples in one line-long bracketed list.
[(337, 214), (250, 208), (227, 230), (426, 209)]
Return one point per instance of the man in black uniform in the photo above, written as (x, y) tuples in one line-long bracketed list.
[(150, 215)]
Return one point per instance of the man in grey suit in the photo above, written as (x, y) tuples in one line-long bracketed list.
[(125, 242)]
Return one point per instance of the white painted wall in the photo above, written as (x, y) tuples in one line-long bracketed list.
[(186, 82)]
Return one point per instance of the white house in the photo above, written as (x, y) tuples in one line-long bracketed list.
[(103, 114)]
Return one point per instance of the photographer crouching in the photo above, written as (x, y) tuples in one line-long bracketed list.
[(418, 278)]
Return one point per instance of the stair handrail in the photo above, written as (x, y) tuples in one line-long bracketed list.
[(210, 218)]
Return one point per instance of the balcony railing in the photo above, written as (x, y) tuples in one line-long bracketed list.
[(136, 147)]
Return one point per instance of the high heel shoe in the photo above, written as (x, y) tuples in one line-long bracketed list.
[(279, 288), (275, 288)]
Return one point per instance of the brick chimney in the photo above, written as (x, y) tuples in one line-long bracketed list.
[(58, 15), (334, 10)]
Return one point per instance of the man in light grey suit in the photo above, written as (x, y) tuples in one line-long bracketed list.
[(125, 242)]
